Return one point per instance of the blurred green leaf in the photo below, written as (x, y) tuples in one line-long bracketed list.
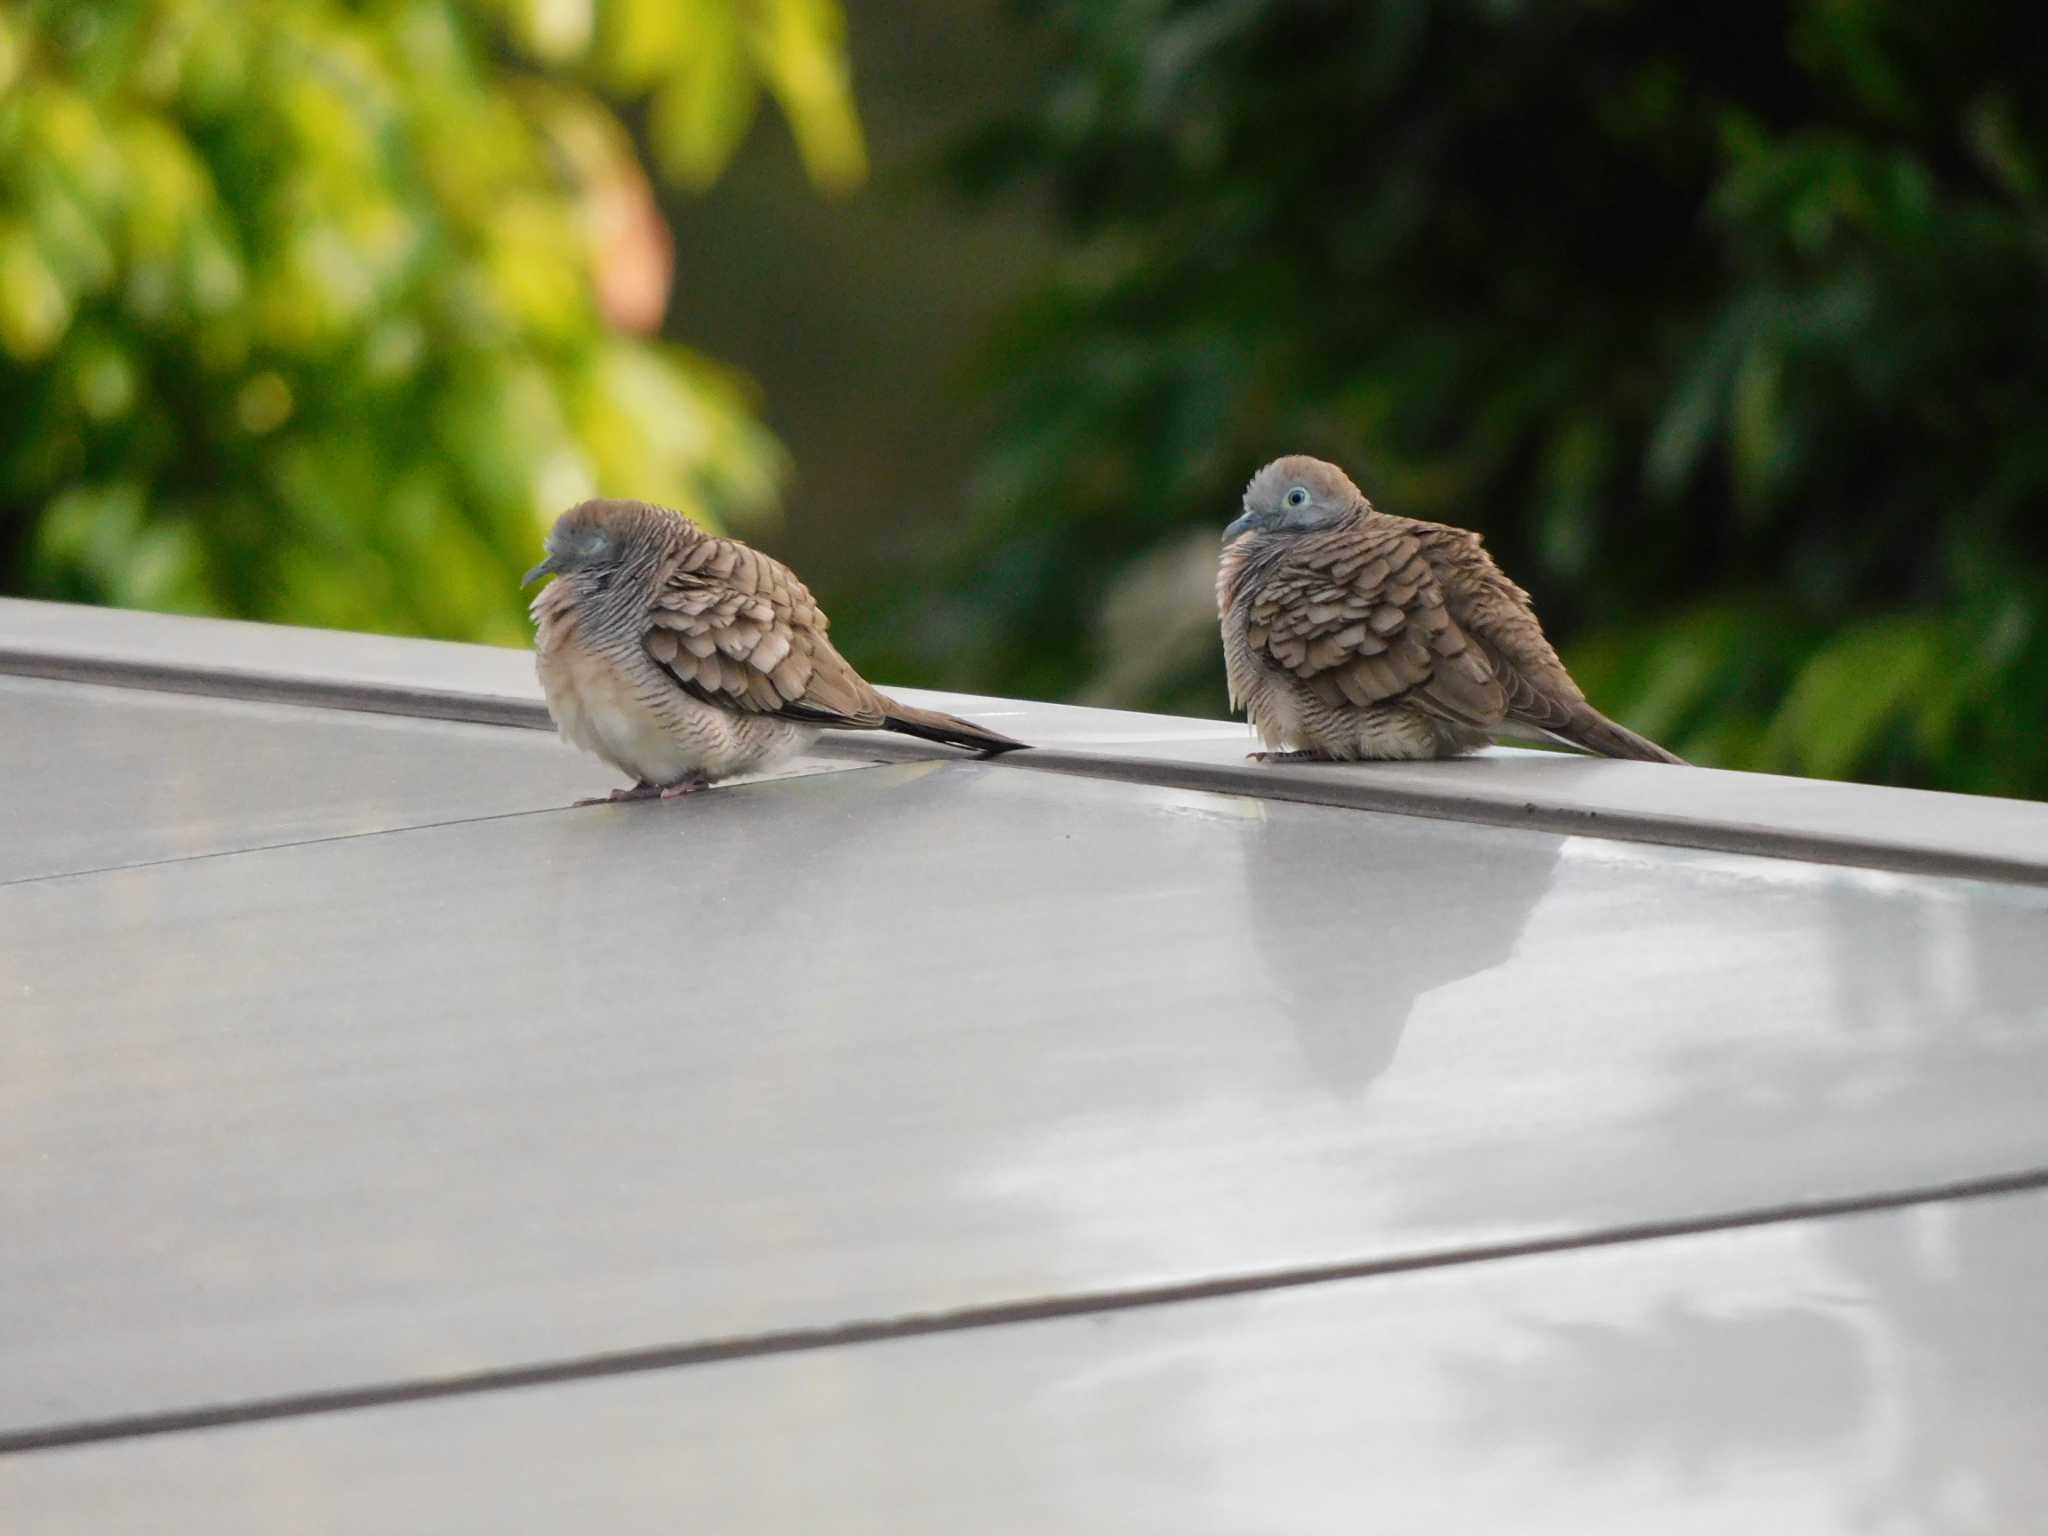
[(1693, 419), (34, 309), (800, 48), (1859, 682), (706, 106)]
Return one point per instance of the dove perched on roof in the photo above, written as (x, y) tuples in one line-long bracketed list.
[(682, 658), (1350, 634)]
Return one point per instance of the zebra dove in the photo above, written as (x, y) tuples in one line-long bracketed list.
[(1350, 634), (682, 659)]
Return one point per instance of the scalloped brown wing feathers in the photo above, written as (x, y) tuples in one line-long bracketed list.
[(1499, 617), (736, 628), (1359, 616)]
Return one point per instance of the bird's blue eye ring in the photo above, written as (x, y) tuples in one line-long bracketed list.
[(1298, 497)]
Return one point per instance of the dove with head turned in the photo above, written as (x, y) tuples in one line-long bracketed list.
[(1351, 634), (682, 658)]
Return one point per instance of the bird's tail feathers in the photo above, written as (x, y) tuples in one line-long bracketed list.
[(931, 725), (1590, 731)]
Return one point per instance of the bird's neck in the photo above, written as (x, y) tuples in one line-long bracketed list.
[(603, 608)]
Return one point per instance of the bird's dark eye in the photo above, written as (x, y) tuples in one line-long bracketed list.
[(1298, 497)]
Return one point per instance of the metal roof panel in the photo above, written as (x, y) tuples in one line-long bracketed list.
[(1820, 1377), (922, 1037)]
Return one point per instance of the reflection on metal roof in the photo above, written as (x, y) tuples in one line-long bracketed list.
[(926, 1144)]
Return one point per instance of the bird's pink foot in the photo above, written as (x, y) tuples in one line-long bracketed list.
[(1284, 757), (687, 787), (637, 792)]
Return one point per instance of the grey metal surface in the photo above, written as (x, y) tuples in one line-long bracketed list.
[(923, 1037), (1835, 1378), (377, 1071), (97, 777), (1909, 830), (230, 658)]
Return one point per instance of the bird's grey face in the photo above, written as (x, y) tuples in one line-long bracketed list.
[(576, 546), (1296, 495)]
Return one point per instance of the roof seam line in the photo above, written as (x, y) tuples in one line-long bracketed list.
[(299, 842), (346, 837), (988, 1315)]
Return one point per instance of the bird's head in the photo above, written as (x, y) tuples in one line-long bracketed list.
[(1296, 494), (597, 538)]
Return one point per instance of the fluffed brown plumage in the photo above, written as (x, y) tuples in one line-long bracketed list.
[(684, 658), (1352, 634)]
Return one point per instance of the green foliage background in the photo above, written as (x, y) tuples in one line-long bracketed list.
[(303, 308), (1729, 328)]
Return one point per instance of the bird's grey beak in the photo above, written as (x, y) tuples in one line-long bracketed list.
[(1242, 525), (547, 567)]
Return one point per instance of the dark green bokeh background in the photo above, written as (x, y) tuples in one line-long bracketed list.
[(1728, 327)]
